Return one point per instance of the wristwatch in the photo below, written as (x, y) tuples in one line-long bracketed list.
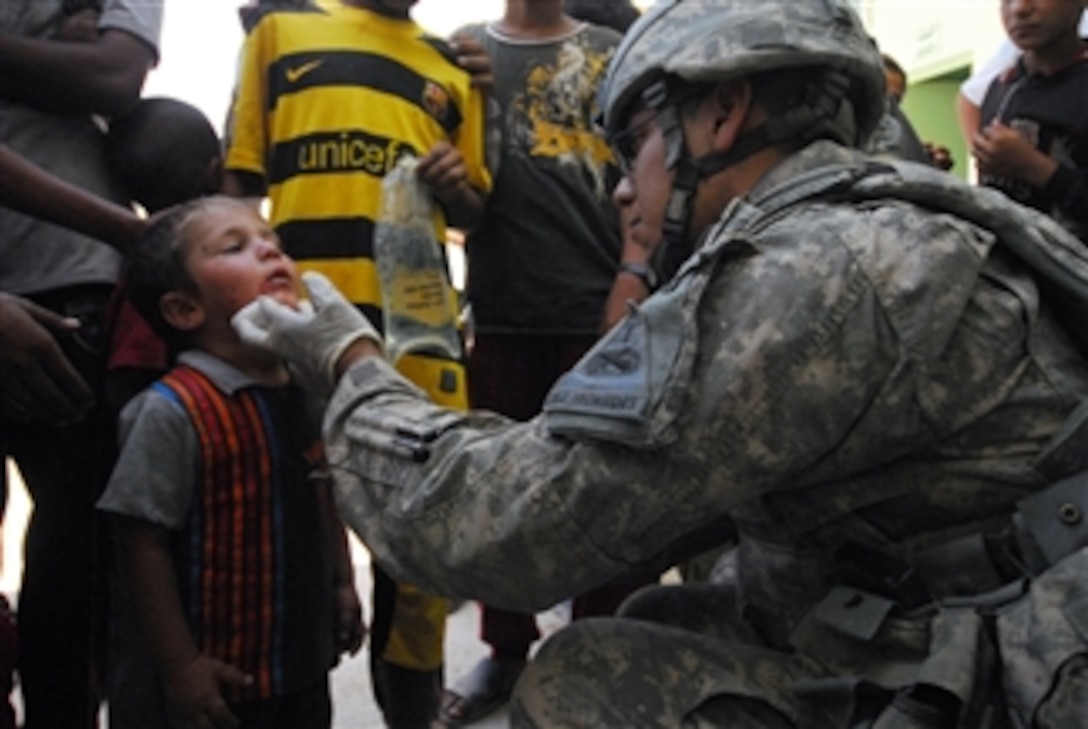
[(644, 272)]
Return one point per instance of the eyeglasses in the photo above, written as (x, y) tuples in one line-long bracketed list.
[(628, 142)]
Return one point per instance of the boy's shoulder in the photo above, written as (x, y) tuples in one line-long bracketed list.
[(440, 45), (198, 368), (1034, 90)]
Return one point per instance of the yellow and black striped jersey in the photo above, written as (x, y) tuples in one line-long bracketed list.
[(328, 100)]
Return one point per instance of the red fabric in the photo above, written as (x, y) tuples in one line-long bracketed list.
[(132, 341)]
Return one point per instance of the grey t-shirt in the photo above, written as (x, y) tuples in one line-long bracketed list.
[(36, 256)]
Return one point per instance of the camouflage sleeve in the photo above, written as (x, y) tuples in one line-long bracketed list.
[(463, 503), (784, 360)]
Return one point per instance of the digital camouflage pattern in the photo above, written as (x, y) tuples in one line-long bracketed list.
[(827, 370), (711, 40)]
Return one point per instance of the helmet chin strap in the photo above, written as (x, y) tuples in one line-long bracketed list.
[(813, 118)]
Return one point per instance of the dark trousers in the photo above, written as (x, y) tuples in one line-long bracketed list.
[(407, 698), (307, 708), (511, 374), (62, 596)]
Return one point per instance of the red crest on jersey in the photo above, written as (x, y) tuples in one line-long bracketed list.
[(435, 100)]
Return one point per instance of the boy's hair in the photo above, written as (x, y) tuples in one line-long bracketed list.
[(71, 7), (164, 152), (616, 14), (156, 266), (890, 64)]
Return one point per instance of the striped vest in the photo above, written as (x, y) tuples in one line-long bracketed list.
[(252, 565)]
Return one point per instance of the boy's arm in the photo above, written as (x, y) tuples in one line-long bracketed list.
[(239, 183), (626, 286), (105, 76), (444, 169), (247, 143), (1004, 152), (190, 679), (348, 620), (37, 381), (30, 189)]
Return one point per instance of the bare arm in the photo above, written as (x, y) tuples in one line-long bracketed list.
[(348, 617), (1004, 152), (105, 76), (238, 183), (359, 350), (627, 287), (191, 680), (37, 382), (443, 168), (29, 189), (969, 116)]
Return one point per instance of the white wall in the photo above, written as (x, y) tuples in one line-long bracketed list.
[(931, 37)]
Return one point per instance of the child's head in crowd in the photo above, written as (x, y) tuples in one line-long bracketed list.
[(164, 152), (199, 264), (1045, 28)]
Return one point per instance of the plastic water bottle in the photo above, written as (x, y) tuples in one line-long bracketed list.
[(418, 302)]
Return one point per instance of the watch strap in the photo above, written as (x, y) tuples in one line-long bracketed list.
[(641, 271)]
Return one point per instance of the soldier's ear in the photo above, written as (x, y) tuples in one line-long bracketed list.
[(731, 104)]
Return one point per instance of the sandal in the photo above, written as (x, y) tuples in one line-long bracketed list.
[(482, 691)]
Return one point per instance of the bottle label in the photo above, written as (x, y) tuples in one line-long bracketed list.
[(420, 294)]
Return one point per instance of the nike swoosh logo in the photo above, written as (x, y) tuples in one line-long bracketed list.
[(294, 74)]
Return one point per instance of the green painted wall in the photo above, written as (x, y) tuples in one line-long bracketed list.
[(930, 106)]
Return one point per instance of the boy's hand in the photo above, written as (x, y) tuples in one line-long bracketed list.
[(195, 694), (939, 156), (80, 26), (472, 57), (443, 168), (312, 337), (1004, 152), (348, 620), (37, 382)]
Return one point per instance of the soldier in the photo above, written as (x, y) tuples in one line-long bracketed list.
[(864, 364)]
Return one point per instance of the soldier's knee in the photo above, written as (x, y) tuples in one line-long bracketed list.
[(566, 684)]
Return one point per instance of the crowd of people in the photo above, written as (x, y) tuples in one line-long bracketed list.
[(724, 302)]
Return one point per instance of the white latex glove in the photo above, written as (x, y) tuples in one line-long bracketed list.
[(311, 337)]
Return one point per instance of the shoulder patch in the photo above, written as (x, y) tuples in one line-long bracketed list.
[(631, 386)]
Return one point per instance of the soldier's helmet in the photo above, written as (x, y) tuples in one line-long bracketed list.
[(698, 41)]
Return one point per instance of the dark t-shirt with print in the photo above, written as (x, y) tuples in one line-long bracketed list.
[(1050, 112), (544, 257)]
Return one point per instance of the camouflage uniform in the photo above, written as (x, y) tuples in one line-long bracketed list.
[(856, 365), (877, 375)]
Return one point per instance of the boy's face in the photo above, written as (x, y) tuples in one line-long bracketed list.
[(1035, 24), (895, 84), (232, 256)]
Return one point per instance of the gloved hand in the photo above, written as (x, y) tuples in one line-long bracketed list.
[(311, 337)]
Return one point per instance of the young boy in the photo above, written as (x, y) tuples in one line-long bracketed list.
[(541, 264), (237, 566), (1032, 142), (327, 102), (160, 134)]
